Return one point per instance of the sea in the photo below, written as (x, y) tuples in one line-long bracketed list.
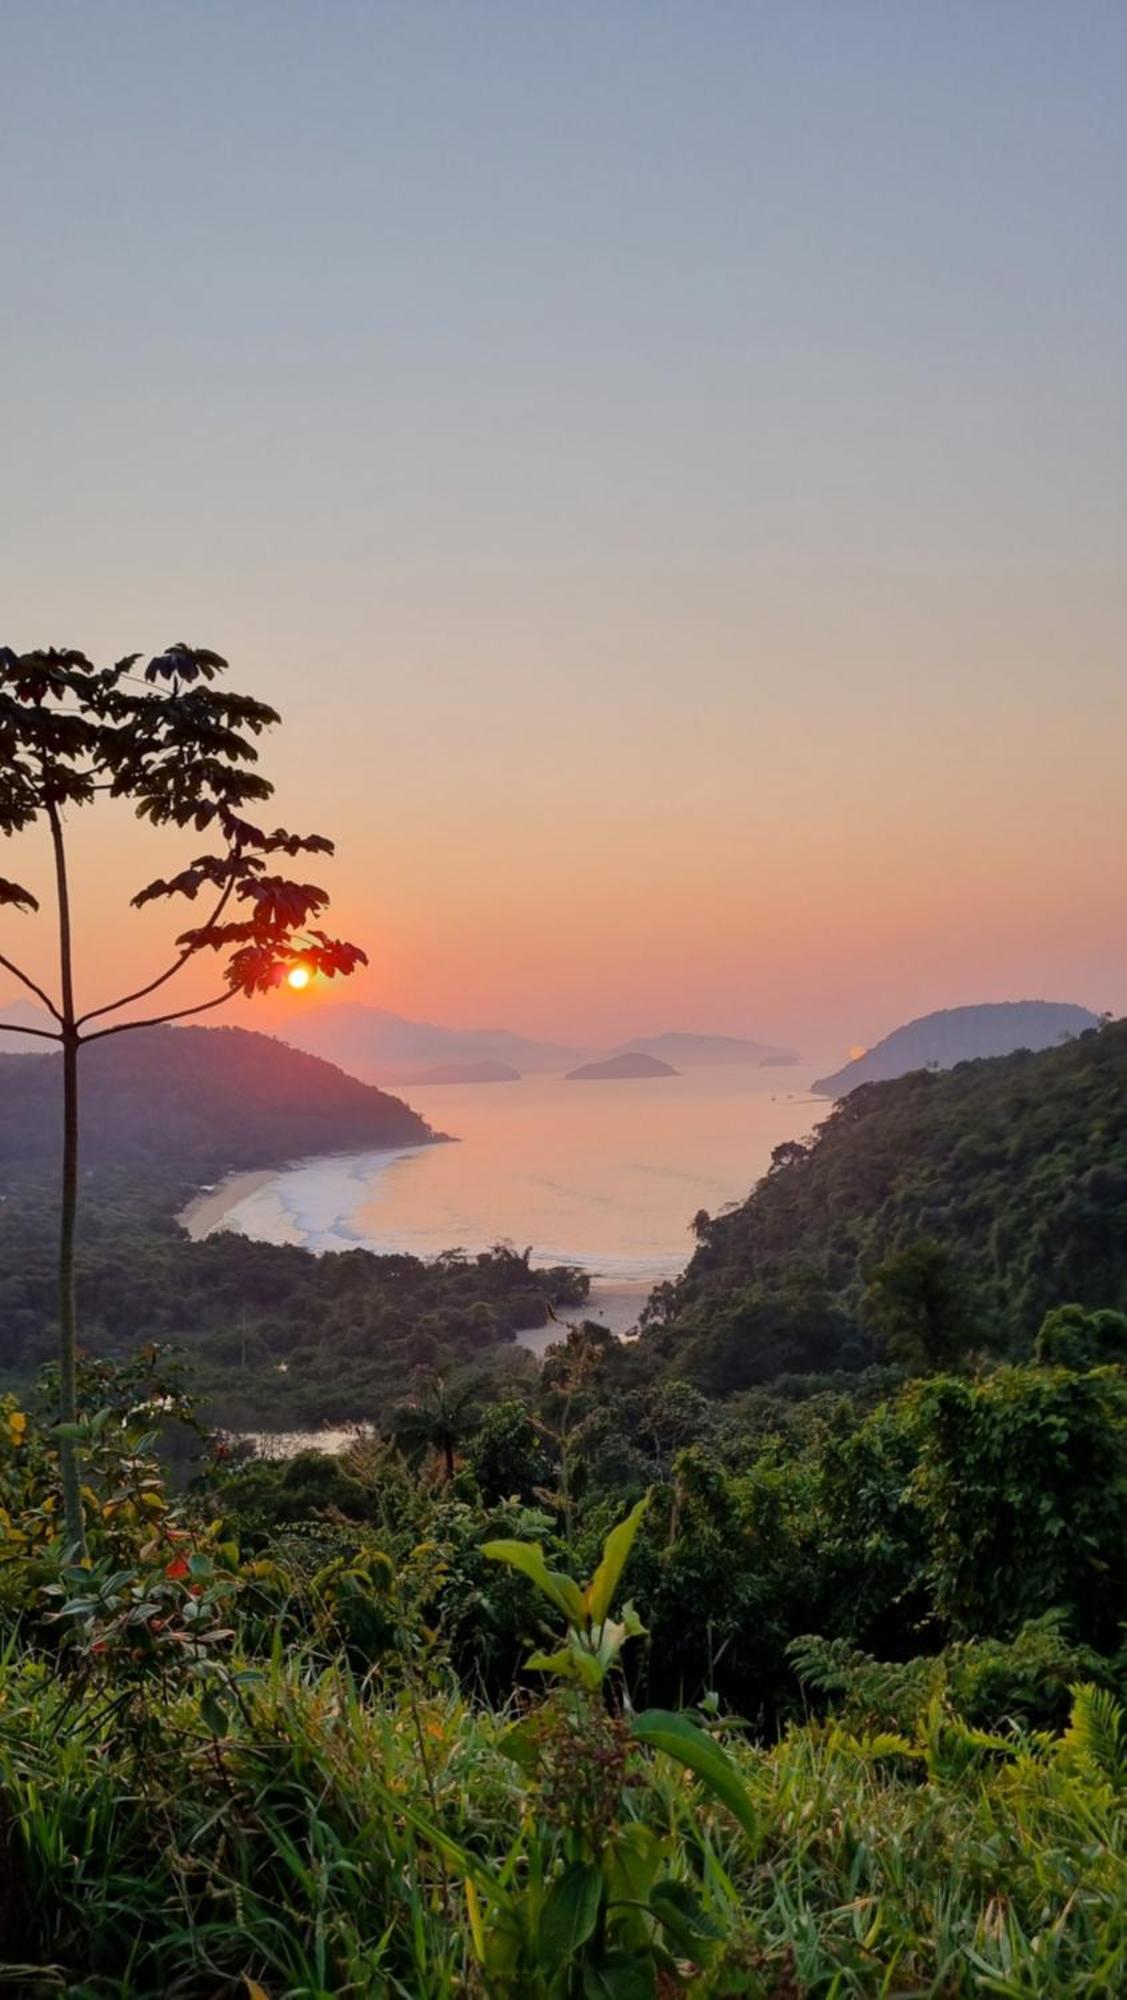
[(606, 1175)]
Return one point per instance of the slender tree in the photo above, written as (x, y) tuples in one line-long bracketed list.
[(174, 741)]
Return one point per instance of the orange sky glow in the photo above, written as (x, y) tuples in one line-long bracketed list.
[(691, 574)]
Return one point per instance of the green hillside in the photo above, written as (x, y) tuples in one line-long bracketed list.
[(1017, 1166)]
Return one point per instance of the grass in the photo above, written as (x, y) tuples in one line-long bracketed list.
[(289, 1854)]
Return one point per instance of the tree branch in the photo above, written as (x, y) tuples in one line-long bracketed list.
[(159, 1020), (31, 987), (17, 1028), (114, 1006)]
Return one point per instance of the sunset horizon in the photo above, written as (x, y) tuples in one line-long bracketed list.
[(563, 1000)]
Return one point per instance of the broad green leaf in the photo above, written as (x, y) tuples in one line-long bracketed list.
[(213, 1714), (679, 1738), (562, 1662), (571, 1909), (572, 1663), (678, 1909), (522, 1745), (631, 1859), (599, 1595), (528, 1557), (618, 1976)]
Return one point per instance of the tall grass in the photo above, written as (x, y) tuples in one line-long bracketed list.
[(292, 1853)]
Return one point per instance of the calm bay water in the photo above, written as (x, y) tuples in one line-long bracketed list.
[(606, 1175)]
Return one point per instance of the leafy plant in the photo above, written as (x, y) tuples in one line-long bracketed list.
[(583, 1903)]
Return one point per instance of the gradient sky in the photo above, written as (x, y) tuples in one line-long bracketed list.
[(667, 462)]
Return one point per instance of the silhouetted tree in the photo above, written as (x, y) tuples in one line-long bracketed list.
[(178, 745)]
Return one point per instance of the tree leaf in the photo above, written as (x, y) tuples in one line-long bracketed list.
[(618, 1976), (571, 1909), (21, 899), (680, 1739)]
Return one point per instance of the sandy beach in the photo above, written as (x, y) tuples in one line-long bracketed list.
[(611, 1302), (208, 1210)]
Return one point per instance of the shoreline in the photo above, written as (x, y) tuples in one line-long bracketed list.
[(612, 1302), (207, 1210)]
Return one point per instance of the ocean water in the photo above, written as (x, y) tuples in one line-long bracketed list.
[(605, 1175)]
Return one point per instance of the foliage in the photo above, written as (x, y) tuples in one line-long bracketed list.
[(921, 1307), (253, 1745), (1022, 1486), (1070, 1337), (1017, 1166), (278, 1337), (179, 745)]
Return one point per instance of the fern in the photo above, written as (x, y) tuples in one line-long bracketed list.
[(1097, 1734)]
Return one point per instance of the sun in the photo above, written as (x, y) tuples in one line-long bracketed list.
[(298, 977)]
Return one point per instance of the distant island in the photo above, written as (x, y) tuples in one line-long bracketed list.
[(616, 1068), (466, 1072), (961, 1034), (382, 1047), (688, 1051)]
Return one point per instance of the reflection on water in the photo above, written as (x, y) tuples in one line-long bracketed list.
[(605, 1175)]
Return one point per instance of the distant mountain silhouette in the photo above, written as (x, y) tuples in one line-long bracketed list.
[(209, 1099), (613, 1068), (470, 1072), (961, 1034), (688, 1051), (387, 1048)]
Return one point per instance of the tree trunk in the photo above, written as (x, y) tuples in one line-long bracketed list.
[(68, 1316), (75, 1525)]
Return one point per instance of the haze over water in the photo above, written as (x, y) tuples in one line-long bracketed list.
[(606, 1175)]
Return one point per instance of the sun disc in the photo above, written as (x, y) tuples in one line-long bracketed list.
[(298, 977)]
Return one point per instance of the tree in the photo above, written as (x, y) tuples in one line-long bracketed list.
[(921, 1304), (178, 745), (434, 1420), (1071, 1337)]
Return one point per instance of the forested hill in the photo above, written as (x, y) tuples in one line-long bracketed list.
[(1017, 1164), (201, 1100)]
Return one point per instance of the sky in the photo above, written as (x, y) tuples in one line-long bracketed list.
[(667, 463)]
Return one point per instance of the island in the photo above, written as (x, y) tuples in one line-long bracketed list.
[(961, 1034), (617, 1069), (690, 1051), (465, 1072)]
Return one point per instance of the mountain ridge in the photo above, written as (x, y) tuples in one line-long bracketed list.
[(212, 1100)]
